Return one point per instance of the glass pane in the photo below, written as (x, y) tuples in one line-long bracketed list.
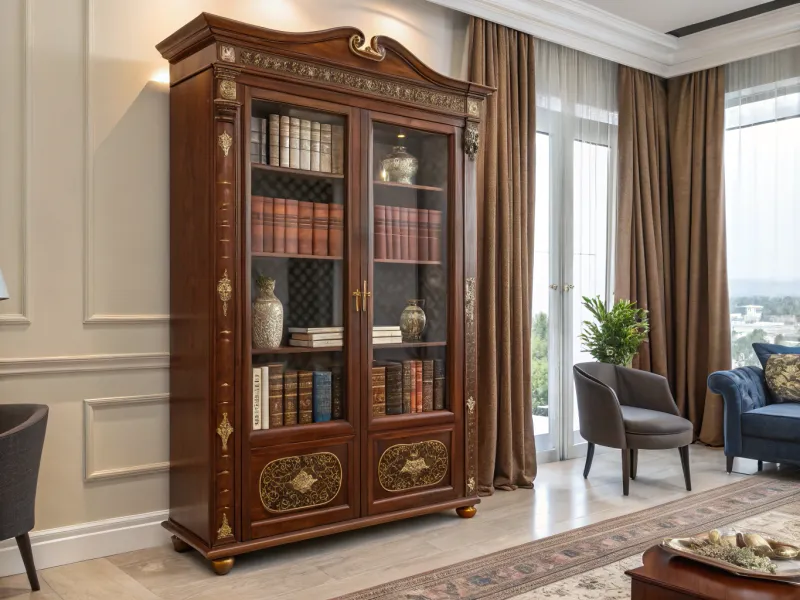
[(297, 241), (410, 276), (590, 238)]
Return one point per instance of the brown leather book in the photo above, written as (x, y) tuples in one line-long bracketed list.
[(408, 385), (424, 234), (269, 225), (413, 386), (291, 226), (320, 233), (279, 226), (418, 384), (337, 393), (290, 398), (305, 397), (405, 253), (256, 224), (434, 235), (380, 232), (427, 385), (275, 395), (378, 391), (394, 388), (438, 384), (413, 234), (389, 232), (335, 229), (305, 228), (396, 233)]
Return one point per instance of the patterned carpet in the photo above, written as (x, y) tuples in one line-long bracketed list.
[(589, 563)]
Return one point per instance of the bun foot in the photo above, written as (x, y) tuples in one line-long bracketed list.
[(466, 512), (222, 566), (179, 545)]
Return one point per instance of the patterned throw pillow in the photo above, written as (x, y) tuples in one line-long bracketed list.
[(783, 377)]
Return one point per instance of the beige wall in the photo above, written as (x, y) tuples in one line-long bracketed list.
[(83, 223)]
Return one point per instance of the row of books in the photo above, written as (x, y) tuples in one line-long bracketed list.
[(282, 141), (411, 386), (316, 337), (287, 226), (282, 397), (408, 233)]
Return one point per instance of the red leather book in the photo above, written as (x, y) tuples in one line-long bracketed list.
[(389, 232), (435, 235), (404, 238), (336, 230), (291, 226), (396, 233), (256, 224), (413, 386), (305, 227), (380, 231), (424, 234), (418, 384), (279, 226), (269, 225), (320, 232), (413, 233)]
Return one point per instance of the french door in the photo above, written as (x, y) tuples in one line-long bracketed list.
[(572, 259)]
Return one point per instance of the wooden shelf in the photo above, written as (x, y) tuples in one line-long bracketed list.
[(294, 350), (407, 262), (411, 345), (410, 186), (300, 172), (284, 255)]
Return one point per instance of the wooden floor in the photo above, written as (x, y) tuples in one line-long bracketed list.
[(324, 568)]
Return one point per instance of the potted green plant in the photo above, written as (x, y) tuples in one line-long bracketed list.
[(616, 334)]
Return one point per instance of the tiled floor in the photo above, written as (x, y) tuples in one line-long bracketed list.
[(324, 568)]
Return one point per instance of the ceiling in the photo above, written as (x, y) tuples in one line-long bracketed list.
[(666, 15)]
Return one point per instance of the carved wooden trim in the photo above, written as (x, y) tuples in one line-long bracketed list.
[(470, 335), (373, 51)]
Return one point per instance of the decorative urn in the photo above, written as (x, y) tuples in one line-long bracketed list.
[(267, 315), (413, 320), (399, 166)]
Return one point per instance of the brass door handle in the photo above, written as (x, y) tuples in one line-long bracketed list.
[(554, 286), (357, 295), (568, 287), (366, 294)]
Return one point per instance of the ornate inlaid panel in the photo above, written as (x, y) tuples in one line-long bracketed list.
[(407, 466), (299, 482), (470, 335)]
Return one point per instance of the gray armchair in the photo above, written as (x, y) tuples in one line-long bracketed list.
[(22, 429), (630, 410)]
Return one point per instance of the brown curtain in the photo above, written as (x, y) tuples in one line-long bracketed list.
[(671, 255), (702, 320), (503, 58)]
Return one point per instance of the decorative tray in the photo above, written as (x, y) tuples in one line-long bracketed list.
[(749, 554)]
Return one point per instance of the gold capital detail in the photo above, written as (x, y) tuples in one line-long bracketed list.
[(473, 108), (225, 291), (224, 431), (408, 466), (225, 530), (471, 140), (300, 482), (227, 89), (225, 140)]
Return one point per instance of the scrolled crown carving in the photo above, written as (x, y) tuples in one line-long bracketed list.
[(300, 482), (408, 466), (374, 51)]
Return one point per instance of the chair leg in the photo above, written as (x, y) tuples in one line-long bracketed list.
[(687, 475), (634, 462), (626, 471), (24, 544), (761, 465), (729, 464), (589, 457)]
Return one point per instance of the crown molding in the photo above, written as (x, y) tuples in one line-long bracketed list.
[(589, 29)]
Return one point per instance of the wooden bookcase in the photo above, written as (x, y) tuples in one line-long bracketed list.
[(234, 488)]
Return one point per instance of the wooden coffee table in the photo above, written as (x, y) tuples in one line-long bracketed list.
[(668, 577)]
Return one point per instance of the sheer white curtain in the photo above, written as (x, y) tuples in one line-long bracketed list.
[(576, 120), (762, 188)]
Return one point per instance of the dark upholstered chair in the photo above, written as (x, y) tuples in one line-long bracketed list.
[(631, 410), (22, 428)]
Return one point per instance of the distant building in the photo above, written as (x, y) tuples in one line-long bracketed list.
[(752, 313)]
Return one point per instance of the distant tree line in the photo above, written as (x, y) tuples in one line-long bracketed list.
[(774, 306)]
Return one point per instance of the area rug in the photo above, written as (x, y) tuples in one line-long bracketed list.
[(589, 563)]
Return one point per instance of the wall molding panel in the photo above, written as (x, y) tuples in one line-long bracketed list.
[(83, 363), (91, 406)]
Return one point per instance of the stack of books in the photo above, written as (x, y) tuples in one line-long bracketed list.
[(408, 234), (283, 141), (289, 226), (316, 337), (410, 386), (389, 334)]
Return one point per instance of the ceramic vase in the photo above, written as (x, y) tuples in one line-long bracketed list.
[(412, 321), (267, 315), (399, 166)]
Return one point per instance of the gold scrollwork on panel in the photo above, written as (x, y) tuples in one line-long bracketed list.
[(225, 291), (298, 482), (224, 431), (407, 466), (470, 336)]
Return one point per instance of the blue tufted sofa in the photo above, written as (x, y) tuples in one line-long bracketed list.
[(755, 427)]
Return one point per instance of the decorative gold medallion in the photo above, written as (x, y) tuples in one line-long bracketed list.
[(373, 51), (224, 431), (407, 466), (299, 482), (471, 140), (227, 53), (227, 89), (225, 529), (473, 108), (225, 291), (225, 141)]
